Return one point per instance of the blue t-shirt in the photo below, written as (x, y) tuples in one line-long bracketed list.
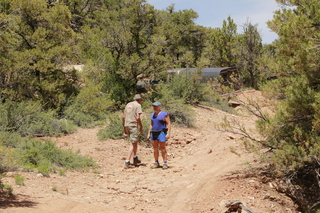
[(157, 121)]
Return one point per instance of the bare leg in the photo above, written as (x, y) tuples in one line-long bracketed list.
[(155, 150), (135, 147), (163, 151), (132, 150)]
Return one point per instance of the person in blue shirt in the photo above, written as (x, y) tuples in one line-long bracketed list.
[(159, 132)]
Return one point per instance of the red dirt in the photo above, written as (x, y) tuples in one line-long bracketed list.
[(203, 175)]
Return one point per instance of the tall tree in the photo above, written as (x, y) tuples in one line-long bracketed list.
[(297, 63), (41, 43), (117, 41), (250, 49), (183, 41), (294, 130), (222, 44), (129, 27)]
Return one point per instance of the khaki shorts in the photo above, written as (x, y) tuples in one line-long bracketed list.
[(133, 133)]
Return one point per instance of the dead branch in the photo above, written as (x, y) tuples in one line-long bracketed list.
[(317, 170), (296, 193), (318, 176), (252, 107), (235, 127)]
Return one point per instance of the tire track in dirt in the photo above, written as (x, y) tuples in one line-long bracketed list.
[(201, 176)]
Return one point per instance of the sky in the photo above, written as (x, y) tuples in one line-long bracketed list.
[(213, 12)]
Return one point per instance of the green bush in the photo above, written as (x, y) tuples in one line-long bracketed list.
[(62, 172), (19, 180), (44, 167), (80, 118), (5, 189), (219, 103), (28, 118), (9, 159), (90, 107), (144, 141), (180, 114), (114, 129), (10, 139), (186, 87), (46, 125), (44, 155)]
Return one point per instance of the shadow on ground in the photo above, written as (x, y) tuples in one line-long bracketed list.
[(15, 201)]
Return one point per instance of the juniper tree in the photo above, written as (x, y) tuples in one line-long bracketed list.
[(293, 132), (41, 44)]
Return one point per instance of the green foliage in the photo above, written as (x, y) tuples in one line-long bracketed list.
[(90, 107), (212, 98), (114, 129), (144, 141), (180, 114), (79, 118), (19, 180), (5, 6), (54, 188), (62, 172), (181, 40), (292, 130), (42, 43), (10, 139), (9, 159), (44, 167), (120, 40), (5, 189), (44, 155), (249, 55), (222, 43), (28, 118), (175, 95), (185, 87), (121, 89)]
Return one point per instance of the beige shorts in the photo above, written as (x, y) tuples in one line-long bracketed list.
[(133, 133)]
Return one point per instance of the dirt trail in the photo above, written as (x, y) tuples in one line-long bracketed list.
[(203, 175)]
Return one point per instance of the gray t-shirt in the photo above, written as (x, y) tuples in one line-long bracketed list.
[(131, 110)]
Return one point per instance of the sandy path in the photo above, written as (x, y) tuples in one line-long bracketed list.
[(203, 175)]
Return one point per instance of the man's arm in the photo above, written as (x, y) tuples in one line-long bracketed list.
[(125, 132), (139, 123)]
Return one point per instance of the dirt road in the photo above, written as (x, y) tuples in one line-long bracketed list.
[(203, 176)]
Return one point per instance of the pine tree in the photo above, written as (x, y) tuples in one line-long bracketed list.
[(293, 132), (42, 43)]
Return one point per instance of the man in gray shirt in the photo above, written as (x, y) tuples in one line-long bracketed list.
[(131, 122)]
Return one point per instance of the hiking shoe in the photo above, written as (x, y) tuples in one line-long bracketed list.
[(165, 166), (136, 161), (127, 165), (155, 165)]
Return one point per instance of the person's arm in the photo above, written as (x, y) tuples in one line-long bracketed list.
[(123, 122), (139, 123), (149, 130), (168, 121)]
